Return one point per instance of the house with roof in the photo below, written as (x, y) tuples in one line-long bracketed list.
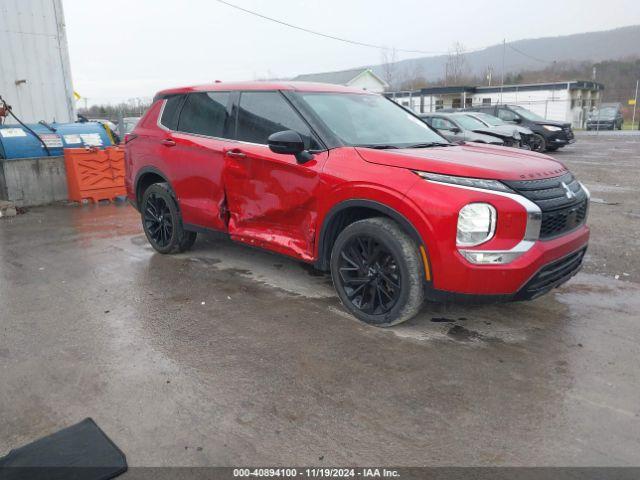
[(363, 78)]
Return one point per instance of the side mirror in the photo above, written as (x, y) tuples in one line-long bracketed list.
[(517, 120), (456, 130), (289, 142)]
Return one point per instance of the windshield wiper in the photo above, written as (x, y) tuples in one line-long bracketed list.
[(431, 144), (377, 147)]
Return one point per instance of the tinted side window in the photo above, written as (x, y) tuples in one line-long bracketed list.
[(507, 115), (205, 114), (441, 124), (170, 113), (263, 113)]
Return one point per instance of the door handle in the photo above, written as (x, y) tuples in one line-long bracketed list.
[(168, 142), (235, 154)]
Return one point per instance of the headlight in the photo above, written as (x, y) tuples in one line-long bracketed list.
[(476, 224), (552, 128), (466, 181)]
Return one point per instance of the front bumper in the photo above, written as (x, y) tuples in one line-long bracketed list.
[(547, 265), (517, 248), (552, 276), (560, 139)]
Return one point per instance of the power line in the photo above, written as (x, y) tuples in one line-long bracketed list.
[(355, 42), (313, 32), (527, 55)]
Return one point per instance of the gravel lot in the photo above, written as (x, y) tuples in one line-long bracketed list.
[(609, 164), (232, 356)]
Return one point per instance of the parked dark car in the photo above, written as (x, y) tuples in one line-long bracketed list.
[(607, 117), (550, 135), (456, 129)]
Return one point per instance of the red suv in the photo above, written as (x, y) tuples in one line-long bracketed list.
[(356, 184)]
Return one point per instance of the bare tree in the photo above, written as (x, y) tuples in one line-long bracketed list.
[(389, 58), (415, 77), (133, 107), (456, 67)]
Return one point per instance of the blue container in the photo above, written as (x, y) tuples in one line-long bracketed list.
[(18, 142)]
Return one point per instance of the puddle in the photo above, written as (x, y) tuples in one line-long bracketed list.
[(460, 333), (442, 320)]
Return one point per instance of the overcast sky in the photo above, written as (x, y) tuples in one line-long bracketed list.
[(132, 48)]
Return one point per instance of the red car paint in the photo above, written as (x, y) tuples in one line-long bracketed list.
[(270, 200)]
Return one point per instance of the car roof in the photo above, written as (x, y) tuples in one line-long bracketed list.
[(267, 86), (437, 114)]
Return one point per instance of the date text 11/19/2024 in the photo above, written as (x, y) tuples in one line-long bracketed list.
[(315, 473)]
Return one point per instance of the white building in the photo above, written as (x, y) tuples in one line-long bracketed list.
[(357, 78), (562, 101), (35, 76)]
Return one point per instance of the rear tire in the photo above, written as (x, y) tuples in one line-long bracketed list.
[(162, 221), (378, 272)]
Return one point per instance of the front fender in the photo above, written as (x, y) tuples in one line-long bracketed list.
[(388, 202)]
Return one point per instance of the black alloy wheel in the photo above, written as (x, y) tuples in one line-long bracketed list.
[(370, 275), (158, 221), (378, 272), (162, 221)]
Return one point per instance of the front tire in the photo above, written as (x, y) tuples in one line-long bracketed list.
[(377, 271), (162, 221), (539, 144)]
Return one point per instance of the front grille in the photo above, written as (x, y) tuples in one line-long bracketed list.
[(553, 275), (561, 221), (568, 132), (562, 199)]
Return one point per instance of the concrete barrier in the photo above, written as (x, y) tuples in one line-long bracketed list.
[(29, 182)]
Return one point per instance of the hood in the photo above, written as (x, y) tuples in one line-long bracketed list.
[(524, 130), (469, 160), (503, 131), (553, 122), (476, 136)]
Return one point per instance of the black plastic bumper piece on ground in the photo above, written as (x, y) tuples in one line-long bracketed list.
[(80, 452)]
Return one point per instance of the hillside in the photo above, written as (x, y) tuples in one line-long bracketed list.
[(524, 55)]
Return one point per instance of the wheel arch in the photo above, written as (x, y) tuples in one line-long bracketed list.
[(146, 177), (349, 211)]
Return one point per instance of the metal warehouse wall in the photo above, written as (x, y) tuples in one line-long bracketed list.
[(33, 47)]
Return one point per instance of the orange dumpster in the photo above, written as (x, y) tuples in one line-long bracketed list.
[(94, 174)]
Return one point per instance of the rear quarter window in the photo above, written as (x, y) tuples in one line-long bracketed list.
[(170, 112), (205, 113)]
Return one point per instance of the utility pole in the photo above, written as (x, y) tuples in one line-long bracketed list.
[(504, 49), (635, 100)]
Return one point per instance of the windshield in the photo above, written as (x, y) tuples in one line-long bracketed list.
[(364, 119), (130, 124), (469, 123), (528, 114), (606, 112), (489, 119)]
